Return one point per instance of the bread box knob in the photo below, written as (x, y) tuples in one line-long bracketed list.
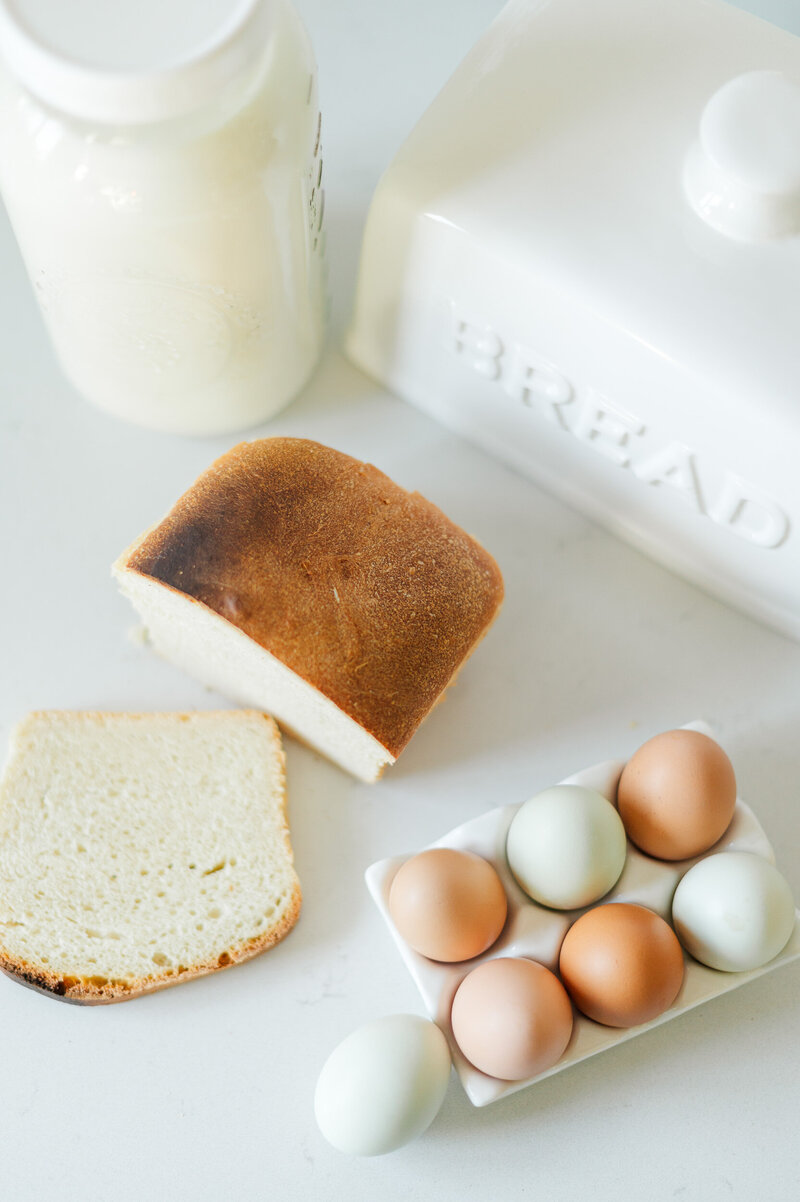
[(742, 176)]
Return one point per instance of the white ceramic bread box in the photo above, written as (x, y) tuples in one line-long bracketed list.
[(586, 258)]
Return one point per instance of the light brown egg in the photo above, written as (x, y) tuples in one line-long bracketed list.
[(621, 964), (676, 795), (511, 1018), (448, 905)]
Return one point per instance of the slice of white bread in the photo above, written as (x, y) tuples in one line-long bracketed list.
[(298, 580), (140, 850)]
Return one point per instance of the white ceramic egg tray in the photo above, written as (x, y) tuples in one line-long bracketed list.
[(536, 932)]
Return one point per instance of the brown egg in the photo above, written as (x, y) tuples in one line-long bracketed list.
[(622, 964), (676, 795), (511, 1018), (448, 905)]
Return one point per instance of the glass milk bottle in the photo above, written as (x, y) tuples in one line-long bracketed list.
[(160, 163)]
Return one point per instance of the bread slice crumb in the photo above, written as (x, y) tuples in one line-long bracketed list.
[(138, 851)]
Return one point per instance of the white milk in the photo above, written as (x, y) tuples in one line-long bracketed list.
[(586, 257), (169, 207)]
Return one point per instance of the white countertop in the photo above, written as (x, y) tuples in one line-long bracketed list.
[(205, 1091)]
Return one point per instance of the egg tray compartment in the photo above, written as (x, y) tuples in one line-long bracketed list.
[(537, 933)]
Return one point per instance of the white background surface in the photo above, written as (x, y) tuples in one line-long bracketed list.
[(205, 1091)]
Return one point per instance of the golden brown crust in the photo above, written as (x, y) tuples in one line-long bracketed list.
[(98, 991), (366, 591)]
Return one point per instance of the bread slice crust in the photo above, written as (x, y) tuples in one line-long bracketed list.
[(88, 989), (85, 992), (365, 591)]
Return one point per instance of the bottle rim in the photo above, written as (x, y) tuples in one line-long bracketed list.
[(113, 96)]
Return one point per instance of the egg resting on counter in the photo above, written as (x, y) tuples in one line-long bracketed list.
[(448, 905), (511, 1018), (383, 1085), (621, 964), (677, 794), (733, 911), (566, 847)]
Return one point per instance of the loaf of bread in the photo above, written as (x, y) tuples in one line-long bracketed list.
[(298, 580), (140, 850)]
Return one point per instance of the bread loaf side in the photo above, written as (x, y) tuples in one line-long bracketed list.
[(296, 579)]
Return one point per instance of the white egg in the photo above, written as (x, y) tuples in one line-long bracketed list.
[(733, 911), (566, 847), (383, 1085)]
